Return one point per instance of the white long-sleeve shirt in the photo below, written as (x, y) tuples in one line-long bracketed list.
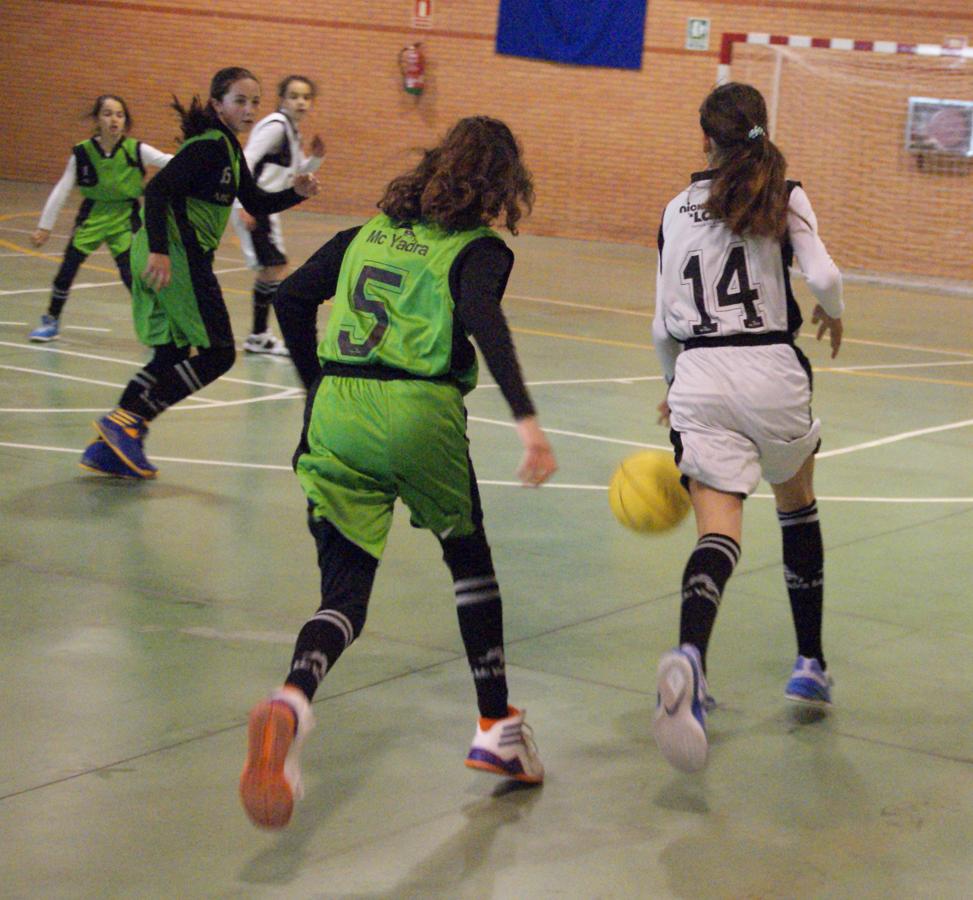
[(148, 155), (274, 154), (714, 283)]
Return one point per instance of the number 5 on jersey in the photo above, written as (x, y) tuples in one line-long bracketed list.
[(391, 281)]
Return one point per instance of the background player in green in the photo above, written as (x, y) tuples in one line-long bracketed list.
[(385, 419), (108, 169), (177, 302)]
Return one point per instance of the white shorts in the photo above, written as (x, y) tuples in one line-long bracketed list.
[(263, 247), (740, 412)]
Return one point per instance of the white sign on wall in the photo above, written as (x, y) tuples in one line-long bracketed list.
[(697, 34), (422, 14)]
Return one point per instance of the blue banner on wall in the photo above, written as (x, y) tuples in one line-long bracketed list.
[(583, 32)]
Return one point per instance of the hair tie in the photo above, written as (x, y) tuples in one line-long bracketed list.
[(755, 132)]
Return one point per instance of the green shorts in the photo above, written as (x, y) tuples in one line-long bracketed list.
[(104, 223), (190, 312), (372, 441)]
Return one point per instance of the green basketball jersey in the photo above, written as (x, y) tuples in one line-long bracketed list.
[(209, 217), (393, 304), (117, 177)]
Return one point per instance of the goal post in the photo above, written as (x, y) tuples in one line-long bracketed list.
[(881, 135)]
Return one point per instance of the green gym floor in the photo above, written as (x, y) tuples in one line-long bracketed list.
[(141, 621)]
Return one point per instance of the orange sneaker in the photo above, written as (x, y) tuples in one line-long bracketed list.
[(271, 779), (506, 747)]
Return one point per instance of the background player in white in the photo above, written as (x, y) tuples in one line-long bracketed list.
[(739, 401), (274, 155)]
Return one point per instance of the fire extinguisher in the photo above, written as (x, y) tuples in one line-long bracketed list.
[(412, 64)]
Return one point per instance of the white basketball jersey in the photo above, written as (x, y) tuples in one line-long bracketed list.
[(715, 283), (274, 152)]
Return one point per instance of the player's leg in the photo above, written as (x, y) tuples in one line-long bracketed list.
[(679, 724), (719, 526), (267, 243), (49, 327), (803, 551), (271, 779), (190, 312)]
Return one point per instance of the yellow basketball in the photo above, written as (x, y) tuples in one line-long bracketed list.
[(645, 493)]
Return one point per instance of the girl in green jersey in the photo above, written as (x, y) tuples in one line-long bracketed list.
[(177, 302), (386, 420), (108, 170)]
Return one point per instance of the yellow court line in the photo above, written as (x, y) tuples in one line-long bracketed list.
[(832, 371), (911, 378), (9, 245), (7, 216), (56, 259)]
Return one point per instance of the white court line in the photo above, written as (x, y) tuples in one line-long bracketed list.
[(88, 381), (622, 379), (905, 435), (577, 434), (494, 483), (922, 365), (79, 286), (87, 285), (127, 362)]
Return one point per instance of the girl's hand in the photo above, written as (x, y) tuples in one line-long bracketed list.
[(249, 222), (306, 185), (317, 146), (664, 413), (833, 326), (158, 272), (538, 463), (39, 237)]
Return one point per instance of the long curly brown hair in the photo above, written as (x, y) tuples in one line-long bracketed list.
[(749, 191), (474, 176)]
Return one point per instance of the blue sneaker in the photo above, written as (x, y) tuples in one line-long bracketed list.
[(679, 724), (809, 683), (47, 331), (124, 433), (99, 457)]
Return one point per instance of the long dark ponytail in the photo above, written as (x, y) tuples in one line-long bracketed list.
[(201, 116), (749, 191)]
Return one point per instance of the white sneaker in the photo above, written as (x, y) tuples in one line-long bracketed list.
[(506, 747), (265, 343), (679, 724), (271, 779)]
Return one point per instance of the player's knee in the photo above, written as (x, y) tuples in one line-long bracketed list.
[(222, 358), (468, 556)]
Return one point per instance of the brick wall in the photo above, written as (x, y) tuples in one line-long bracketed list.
[(608, 148)]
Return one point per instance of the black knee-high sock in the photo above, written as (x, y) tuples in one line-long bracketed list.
[(804, 573), (707, 571), (347, 576), (480, 612), (135, 397), (172, 376), (263, 296), (124, 263), (73, 258)]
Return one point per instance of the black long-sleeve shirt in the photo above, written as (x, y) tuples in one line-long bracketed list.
[(477, 280), (197, 171)]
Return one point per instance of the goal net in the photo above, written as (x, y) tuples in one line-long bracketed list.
[(882, 143)]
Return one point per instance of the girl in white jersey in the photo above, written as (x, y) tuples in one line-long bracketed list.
[(739, 399), (274, 155)]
